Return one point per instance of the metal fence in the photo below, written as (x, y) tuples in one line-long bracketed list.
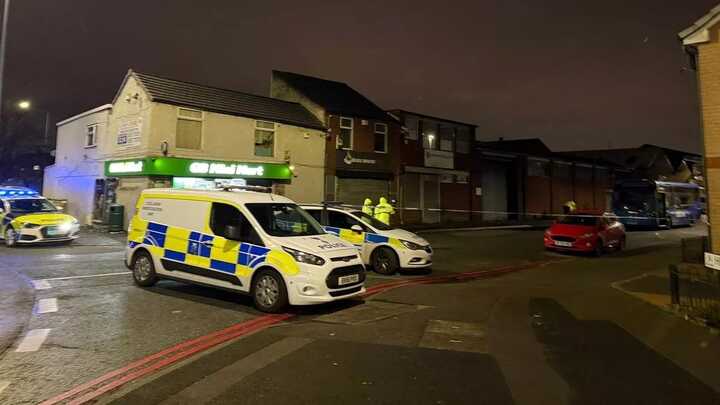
[(695, 291)]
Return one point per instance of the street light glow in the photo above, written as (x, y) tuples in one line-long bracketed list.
[(24, 105)]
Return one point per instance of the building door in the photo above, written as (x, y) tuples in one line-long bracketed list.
[(430, 201), (494, 191)]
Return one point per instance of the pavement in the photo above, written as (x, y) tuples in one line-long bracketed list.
[(499, 320)]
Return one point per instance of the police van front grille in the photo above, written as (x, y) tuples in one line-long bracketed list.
[(332, 279), (345, 292)]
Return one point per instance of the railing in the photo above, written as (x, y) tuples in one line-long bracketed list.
[(695, 292)]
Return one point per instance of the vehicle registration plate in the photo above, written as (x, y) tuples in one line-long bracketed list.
[(564, 244), (53, 232), (353, 278)]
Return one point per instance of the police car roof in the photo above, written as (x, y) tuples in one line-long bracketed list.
[(331, 206), (241, 197)]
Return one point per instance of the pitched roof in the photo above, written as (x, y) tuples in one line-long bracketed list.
[(225, 101), (334, 97), (696, 33)]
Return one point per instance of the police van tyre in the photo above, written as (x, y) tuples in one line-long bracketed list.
[(269, 292), (143, 269), (10, 237), (385, 261)]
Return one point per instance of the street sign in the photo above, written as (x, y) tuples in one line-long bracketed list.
[(712, 261)]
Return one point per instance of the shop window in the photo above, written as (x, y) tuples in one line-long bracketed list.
[(264, 138), (189, 129), (538, 168), (345, 138), (91, 136), (223, 215), (447, 138), (381, 138), (462, 140)]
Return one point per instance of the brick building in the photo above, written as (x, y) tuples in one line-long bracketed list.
[(702, 44), (362, 138)]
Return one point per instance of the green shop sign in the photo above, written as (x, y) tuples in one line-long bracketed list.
[(169, 166)]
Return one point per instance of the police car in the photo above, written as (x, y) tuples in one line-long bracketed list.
[(381, 246), (244, 241), (27, 218)]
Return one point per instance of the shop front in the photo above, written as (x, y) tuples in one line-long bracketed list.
[(125, 179), (361, 175)]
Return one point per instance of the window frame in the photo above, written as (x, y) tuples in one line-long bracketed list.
[(202, 126), (94, 128), (274, 132), (385, 134), (352, 133)]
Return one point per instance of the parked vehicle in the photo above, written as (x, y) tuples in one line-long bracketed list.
[(381, 246), (648, 203), (29, 218), (586, 231), (248, 242)]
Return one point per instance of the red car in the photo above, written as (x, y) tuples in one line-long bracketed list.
[(586, 231)]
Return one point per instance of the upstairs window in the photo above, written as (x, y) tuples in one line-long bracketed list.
[(428, 129), (91, 136), (189, 129), (345, 138), (381, 138), (462, 140), (264, 138), (447, 138)]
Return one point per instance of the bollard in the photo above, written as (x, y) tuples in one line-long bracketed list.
[(674, 285)]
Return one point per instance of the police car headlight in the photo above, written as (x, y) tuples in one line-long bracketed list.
[(31, 226), (65, 226), (303, 257), (411, 245)]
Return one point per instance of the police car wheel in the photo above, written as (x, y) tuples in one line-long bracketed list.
[(143, 270), (269, 292), (10, 237), (385, 261)]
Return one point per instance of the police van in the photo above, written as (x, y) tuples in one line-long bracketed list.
[(244, 241), (28, 218), (381, 246)]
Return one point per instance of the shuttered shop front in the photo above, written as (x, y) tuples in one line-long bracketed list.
[(355, 191)]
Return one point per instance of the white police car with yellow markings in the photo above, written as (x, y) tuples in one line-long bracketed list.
[(28, 218), (381, 246), (244, 241)]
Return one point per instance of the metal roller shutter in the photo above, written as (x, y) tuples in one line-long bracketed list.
[(355, 191)]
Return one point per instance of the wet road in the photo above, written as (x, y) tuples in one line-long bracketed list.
[(521, 326)]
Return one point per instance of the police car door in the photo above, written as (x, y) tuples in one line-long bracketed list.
[(234, 247), (342, 224)]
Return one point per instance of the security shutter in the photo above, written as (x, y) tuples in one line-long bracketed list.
[(355, 191)]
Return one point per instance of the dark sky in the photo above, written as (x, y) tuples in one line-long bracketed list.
[(577, 73)]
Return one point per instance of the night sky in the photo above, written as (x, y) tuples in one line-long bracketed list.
[(579, 74)]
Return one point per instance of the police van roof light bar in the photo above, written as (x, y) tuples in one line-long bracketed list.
[(260, 189)]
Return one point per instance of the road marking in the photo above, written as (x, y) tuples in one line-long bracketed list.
[(33, 340), (3, 385), (210, 386), (121, 273), (46, 305), (41, 285)]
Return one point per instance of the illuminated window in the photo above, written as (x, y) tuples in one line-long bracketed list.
[(91, 136), (189, 129), (381, 138), (345, 138), (264, 138)]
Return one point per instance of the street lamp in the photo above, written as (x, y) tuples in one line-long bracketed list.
[(24, 105)]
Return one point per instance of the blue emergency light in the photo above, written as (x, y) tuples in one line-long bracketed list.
[(17, 191)]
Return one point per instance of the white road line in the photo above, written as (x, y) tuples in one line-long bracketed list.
[(46, 305), (41, 285), (122, 273), (3, 385), (33, 340), (211, 386)]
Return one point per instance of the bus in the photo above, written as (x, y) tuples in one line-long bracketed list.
[(650, 203)]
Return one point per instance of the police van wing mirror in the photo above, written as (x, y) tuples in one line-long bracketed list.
[(233, 232), (356, 229)]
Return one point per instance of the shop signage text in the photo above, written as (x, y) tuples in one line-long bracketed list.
[(135, 166), (226, 169), (349, 159), (179, 167)]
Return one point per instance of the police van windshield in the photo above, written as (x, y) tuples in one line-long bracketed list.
[(372, 221), (284, 220), (30, 205)]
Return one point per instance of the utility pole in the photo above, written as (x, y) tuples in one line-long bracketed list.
[(3, 43)]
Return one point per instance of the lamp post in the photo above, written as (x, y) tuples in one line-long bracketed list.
[(3, 42)]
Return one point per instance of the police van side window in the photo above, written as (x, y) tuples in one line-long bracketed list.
[(223, 215)]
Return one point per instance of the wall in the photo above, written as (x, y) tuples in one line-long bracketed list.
[(281, 90), (709, 84), (132, 103), (76, 167)]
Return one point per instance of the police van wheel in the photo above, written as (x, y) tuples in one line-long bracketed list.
[(143, 270), (385, 261), (10, 237), (269, 292)]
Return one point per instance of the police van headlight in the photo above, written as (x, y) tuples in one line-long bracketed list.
[(303, 257), (31, 226), (411, 245)]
